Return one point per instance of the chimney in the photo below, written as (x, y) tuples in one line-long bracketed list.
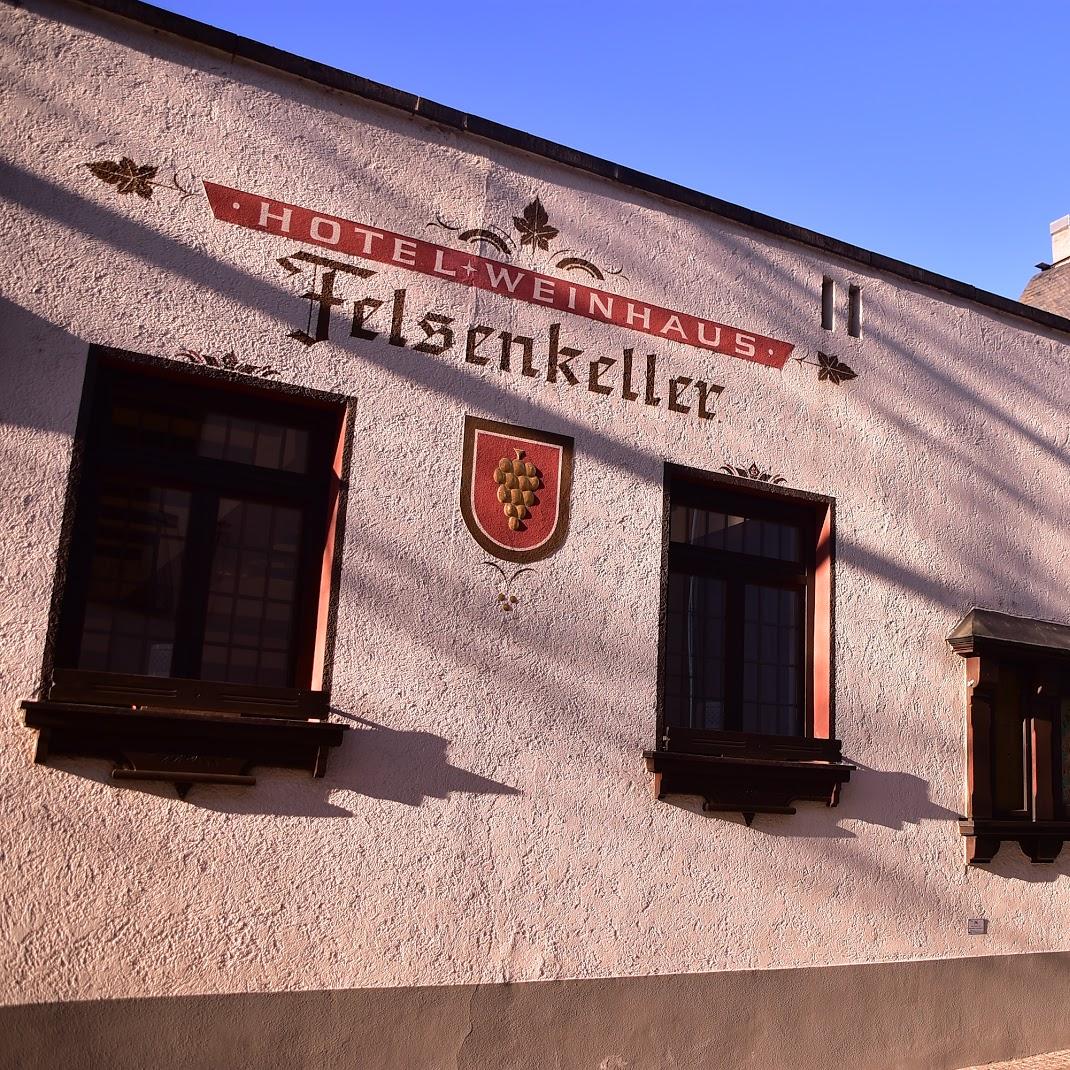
[(1049, 289), (1060, 239)]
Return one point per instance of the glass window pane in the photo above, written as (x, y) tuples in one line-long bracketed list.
[(733, 535), (789, 542), (752, 536), (695, 640), (174, 421), (715, 530), (135, 574), (1066, 753), (249, 638), (772, 702), (1008, 744)]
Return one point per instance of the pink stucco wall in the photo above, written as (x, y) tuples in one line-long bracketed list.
[(491, 818)]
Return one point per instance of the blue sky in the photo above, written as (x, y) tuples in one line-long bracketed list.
[(934, 132)]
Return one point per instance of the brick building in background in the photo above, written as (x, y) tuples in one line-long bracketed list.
[(470, 604), (1050, 287)]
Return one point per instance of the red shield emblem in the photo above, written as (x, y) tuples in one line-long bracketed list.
[(515, 488)]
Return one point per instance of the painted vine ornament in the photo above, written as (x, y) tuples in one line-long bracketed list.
[(535, 232), (507, 601), (130, 177), (230, 362), (752, 472), (534, 226)]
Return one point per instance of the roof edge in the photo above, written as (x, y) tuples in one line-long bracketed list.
[(1009, 628), (333, 78)]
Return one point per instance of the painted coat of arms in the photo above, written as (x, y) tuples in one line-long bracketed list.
[(515, 489)]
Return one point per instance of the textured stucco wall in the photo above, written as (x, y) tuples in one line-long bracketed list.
[(491, 818)]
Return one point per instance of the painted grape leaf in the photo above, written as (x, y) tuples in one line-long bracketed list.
[(125, 175), (835, 371), (534, 226)]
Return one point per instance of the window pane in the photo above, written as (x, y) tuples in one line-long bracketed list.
[(134, 579), (252, 594), (1008, 745), (171, 422), (695, 651), (772, 632), (714, 530), (1066, 753)]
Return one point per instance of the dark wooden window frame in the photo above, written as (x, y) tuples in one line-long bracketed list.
[(747, 772), (1038, 654), (184, 729)]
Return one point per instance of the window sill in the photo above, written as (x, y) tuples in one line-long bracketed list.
[(1040, 841), (181, 747), (752, 775)]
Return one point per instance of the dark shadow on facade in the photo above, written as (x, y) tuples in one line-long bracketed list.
[(377, 762), (407, 767), (890, 799), (796, 826)]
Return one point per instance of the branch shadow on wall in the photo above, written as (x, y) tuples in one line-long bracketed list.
[(409, 767), (377, 762), (892, 800)]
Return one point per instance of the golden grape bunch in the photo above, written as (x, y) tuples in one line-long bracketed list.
[(517, 482)]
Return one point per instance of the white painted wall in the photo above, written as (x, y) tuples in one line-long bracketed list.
[(948, 457)]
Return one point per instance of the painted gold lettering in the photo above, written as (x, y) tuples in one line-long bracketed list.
[(673, 324), (745, 344), (703, 340), (704, 390), (642, 317), (369, 237), (396, 317), (498, 275), (526, 345), (362, 311), (596, 306), (543, 291), (651, 371), (626, 385)]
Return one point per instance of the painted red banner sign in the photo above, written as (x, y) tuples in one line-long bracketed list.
[(509, 280)]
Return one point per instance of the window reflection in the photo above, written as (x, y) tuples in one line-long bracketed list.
[(134, 580)]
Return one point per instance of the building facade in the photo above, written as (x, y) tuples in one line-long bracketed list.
[(469, 604)]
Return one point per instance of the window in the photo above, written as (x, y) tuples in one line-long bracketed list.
[(1018, 733), (746, 638), (202, 546), (735, 637)]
